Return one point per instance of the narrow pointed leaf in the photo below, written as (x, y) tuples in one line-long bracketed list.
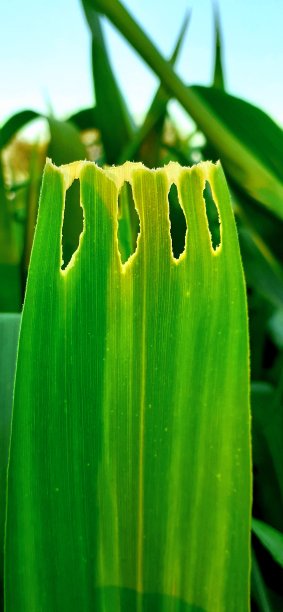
[(271, 538), (114, 118), (130, 455), (155, 117), (218, 77), (248, 142)]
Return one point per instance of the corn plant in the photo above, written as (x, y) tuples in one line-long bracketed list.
[(249, 145)]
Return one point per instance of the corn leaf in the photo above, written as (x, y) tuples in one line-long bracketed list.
[(150, 132), (114, 118), (262, 270), (271, 538), (129, 475), (85, 119), (218, 76), (248, 142), (15, 123)]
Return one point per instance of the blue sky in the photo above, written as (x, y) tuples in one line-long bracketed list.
[(45, 53)]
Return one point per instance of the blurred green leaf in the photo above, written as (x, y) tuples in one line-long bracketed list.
[(7, 248), (36, 166), (114, 119), (15, 123), (259, 590), (275, 327), (218, 77), (260, 311), (9, 332), (262, 221), (150, 132), (267, 430), (10, 278), (10, 288), (86, 119), (248, 142), (271, 538), (65, 142), (263, 272)]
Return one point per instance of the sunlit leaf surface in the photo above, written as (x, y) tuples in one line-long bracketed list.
[(129, 476)]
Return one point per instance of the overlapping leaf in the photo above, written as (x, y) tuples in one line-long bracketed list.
[(248, 142)]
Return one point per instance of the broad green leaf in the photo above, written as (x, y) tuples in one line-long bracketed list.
[(129, 476), (9, 332), (271, 538), (248, 142), (114, 118)]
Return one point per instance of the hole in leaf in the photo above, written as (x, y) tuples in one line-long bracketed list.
[(72, 223), (128, 223), (178, 225), (212, 216)]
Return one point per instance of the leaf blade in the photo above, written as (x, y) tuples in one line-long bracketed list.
[(122, 467), (114, 118), (271, 538)]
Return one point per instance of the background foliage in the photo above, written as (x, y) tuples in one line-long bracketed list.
[(250, 147)]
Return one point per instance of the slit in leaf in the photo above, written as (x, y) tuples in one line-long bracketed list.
[(73, 222), (178, 225), (128, 223), (212, 216)]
